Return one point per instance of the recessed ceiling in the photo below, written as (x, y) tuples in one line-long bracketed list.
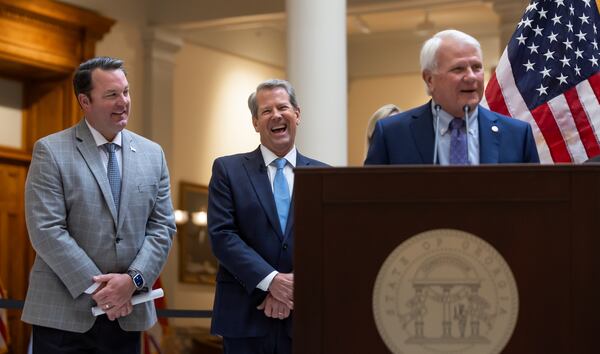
[(263, 37)]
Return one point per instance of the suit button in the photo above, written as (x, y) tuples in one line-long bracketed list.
[(117, 240), (285, 246)]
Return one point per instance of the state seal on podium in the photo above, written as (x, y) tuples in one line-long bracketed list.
[(445, 291)]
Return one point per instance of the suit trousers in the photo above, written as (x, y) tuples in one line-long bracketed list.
[(105, 337), (276, 341)]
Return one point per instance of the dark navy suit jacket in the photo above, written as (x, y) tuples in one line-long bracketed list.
[(247, 240), (408, 138)]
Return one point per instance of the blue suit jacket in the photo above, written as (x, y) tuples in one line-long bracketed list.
[(247, 240), (408, 138)]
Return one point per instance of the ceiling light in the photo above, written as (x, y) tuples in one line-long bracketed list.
[(426, 27), (361, 24)]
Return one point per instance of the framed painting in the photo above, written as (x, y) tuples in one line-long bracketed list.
[(197, 264)]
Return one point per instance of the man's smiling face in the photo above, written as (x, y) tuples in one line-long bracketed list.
[(458, 79), (107, 106), (276, 120)]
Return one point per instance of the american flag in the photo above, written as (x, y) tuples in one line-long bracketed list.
[(548, 76), (4, 338)]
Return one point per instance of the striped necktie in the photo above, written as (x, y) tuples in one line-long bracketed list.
[(114, 175), (458, 142)]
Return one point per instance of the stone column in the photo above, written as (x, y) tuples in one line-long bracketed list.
[(420, 321), (160, 49), (510, 12), (447, 312), (317, 67)]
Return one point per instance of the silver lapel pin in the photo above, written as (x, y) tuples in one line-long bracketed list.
[(495, 128)]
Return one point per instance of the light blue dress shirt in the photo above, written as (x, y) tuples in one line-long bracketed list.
[(444, 136)]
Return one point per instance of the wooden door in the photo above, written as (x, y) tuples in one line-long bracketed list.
[(16, 255)]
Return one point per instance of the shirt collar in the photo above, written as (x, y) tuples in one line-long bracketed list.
[(100, 139), (269, 156), (446, 117)]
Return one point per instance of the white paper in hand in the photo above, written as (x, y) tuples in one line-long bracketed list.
[(137, 299)]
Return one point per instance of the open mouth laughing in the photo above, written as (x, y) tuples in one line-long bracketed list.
[(279, 129)]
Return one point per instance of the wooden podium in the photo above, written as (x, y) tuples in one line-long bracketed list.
[(543, 220)]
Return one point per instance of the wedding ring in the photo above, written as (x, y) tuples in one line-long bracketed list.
[(106, 307)]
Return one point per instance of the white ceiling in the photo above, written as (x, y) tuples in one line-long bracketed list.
[(382, 34), (374, 28)]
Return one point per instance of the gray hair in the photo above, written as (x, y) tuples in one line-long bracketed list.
[(431, 46), (270, 85)]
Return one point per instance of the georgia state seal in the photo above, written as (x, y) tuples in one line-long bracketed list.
[(445, 291)]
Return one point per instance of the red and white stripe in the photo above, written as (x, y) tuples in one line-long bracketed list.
[(4, 340), (564, 128)]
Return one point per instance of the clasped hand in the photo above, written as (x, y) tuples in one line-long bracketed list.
[(114, 294), (280, 300)]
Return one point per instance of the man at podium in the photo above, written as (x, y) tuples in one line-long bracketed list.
[(452, 128)]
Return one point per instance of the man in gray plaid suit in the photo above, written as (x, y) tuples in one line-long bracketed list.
[(100, 218)]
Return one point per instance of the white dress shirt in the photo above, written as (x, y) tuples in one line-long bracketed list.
[(100, 141), (288, 172)]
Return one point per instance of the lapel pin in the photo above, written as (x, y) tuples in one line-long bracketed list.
[(495, 128)]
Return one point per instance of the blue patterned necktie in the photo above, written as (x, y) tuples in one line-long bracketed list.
[(114, 175), (281, 192), (458, 142)]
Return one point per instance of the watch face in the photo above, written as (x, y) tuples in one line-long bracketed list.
[(138, 280)]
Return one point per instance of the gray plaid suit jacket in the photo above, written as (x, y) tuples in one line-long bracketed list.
[(76, 233)]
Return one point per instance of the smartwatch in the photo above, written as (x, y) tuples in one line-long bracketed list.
[(138, 279)]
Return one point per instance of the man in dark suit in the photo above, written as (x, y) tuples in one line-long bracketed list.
[(452, 68), (251, 228)]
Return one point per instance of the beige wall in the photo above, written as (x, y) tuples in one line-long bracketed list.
[(211, 112), (212, 119), (124, 41), (11, 118)]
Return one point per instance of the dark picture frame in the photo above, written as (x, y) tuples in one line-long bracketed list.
[(197, 264)]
